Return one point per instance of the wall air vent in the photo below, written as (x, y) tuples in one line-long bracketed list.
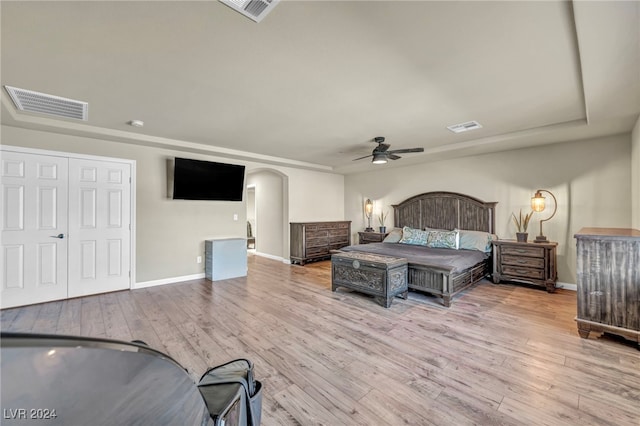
[(465, 127), (41, 103), (255, 10)]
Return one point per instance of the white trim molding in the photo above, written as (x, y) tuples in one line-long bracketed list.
[(567, 286), (270, 256), (172, 280)]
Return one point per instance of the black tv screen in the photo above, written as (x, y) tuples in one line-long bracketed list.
[(207, 180)]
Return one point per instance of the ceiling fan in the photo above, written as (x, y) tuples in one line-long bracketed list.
[(381, 152)]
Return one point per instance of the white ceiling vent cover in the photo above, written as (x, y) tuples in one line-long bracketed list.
[(252, 9), (465, 127), (30, 101)]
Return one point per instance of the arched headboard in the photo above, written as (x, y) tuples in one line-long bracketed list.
[(445, 210)]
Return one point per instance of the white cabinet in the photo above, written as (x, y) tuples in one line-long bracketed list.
[(225, 258)]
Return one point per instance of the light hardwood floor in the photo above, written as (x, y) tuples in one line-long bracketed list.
[(502, 354)]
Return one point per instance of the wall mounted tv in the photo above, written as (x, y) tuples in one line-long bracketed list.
[(206, 180)]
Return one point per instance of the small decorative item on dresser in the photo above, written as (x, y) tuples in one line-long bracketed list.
[(522, 223), (381, 217)]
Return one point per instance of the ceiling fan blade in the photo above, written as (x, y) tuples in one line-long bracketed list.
[(400, 151), (382, 147), (361, 158), (393, 156)]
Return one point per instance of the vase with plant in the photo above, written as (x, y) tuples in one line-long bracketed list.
[(381, 217), (522, 223)]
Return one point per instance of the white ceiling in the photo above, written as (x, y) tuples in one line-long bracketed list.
[(315, 81)]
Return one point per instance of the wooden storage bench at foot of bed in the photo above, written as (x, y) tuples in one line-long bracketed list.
[(442, 283), (383, 277)]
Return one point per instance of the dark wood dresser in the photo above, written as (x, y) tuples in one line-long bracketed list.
[(530, 263), (371, 237), (608, 275), (314, 240)]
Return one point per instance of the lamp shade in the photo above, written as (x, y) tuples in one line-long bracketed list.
[(368, 207), (537, 202)]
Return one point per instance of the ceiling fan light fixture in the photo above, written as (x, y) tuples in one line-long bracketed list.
[(379, 158)]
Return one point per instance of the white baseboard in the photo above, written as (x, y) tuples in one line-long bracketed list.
[(567, 286), (270, 256), (168, 281)]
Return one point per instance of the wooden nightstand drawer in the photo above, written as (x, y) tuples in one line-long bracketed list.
[(523, 251), (530, 262), (536, 274), (371, 237)]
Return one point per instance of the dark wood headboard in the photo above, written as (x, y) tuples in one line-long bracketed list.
[(445, 210)]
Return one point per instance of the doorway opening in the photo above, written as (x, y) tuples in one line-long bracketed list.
[(268, 212)]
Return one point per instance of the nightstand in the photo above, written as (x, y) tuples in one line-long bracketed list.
[(371, 237), (529, 263)]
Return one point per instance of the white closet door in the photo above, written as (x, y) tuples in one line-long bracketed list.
[(34, 228), (99, 226)]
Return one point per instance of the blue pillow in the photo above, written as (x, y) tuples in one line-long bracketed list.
[(444, 239), (413, 236)]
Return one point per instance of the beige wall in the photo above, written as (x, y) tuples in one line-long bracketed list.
[(170, 234), (635, 175), (591, 180)]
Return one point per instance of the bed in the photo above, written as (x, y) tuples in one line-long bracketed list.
[(442, 272)]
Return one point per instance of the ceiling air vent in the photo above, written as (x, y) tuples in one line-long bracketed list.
[(252, 9), (30, 101), (465, 127)]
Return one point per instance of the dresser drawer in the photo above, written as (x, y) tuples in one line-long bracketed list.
[(338, 232), (317, 242), (317, 251), (339, 239), (516, 271), (523, 251), (333, 225), (314, 233), (530, 262)]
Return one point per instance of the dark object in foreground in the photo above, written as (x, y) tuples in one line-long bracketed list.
[(79, 380)]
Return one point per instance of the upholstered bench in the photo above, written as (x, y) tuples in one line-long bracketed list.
[(383, 277)]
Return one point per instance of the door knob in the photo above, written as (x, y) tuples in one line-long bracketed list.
[(61, 236)]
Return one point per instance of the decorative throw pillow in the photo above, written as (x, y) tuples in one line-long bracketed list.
[(413, 236), (475, 240), (443, 239), (395, 235)]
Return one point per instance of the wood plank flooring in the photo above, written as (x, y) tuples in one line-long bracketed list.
[(502, 354)]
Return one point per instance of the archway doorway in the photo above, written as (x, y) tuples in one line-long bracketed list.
[(270, 215)]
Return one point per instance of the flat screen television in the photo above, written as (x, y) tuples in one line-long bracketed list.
[(207, 180)]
